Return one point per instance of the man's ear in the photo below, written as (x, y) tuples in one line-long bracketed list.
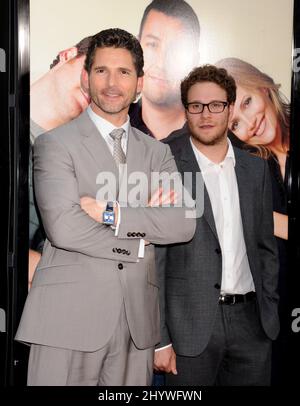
[(67, 54), (84, 80), (140, 83), (230, 110), (185, 112)]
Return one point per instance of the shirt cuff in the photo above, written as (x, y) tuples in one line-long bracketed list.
[(117, 226), (162, 348), (141, 252)]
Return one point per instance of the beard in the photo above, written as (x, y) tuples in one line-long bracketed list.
[(111, 106), (208, 140)]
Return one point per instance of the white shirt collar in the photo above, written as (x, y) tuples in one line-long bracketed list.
[(104, 126), (205, 162)]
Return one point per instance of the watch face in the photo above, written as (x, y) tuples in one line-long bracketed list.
[(108, 217)]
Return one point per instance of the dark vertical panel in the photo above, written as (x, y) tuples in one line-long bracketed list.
[(14, 158), (294, 208), (4, 179)]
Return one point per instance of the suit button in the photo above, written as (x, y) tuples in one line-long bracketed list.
[(138, 234), (128, 234), (113, 250), (123, 251), (120, 266), (128, 252), (218, 251), (133, 234), (143, 235), (119, 250), (217, 286)]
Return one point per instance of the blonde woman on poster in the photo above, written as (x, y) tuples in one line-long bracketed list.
[(261, 119)]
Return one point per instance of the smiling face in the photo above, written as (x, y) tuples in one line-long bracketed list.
[(254, 119), (208, 128), (168, 54), (112, 83)]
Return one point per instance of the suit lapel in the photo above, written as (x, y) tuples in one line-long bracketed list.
[(244, 188), (208, 213), (136, 152), (135, 162), (189, 164), (96, 145)]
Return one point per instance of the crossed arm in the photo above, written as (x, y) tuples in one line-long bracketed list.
[(65, 218), (95, 208)]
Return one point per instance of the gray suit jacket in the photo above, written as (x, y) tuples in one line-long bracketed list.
[(190, 273), (86, 273)]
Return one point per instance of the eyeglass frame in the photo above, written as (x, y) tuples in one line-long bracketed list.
[(207, 105)]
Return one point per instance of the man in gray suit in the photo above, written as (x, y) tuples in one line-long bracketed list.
[(219, 300), (92, 314)]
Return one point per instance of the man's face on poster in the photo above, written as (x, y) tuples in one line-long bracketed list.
[(67, 87), (169, 54)]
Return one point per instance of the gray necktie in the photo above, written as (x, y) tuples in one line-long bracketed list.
[(118, 152)]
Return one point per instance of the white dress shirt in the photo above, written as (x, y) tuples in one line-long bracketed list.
[(105, 128), (221, 184)]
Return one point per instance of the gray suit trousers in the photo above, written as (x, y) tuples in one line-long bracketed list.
[(118, 363)]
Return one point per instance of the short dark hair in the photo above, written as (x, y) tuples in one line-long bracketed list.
[(116, 38), (82, 48), (179, 9), (209, 73)]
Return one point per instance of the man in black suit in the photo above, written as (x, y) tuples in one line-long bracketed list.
[(218, 291)]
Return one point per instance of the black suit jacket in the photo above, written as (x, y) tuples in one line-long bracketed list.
[(190, 273)]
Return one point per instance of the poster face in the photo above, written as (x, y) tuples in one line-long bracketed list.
[(254, 31), (174, 42), (252, 40), (249, 39)]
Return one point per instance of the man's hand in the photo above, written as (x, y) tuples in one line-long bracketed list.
[(34, 258), (95, 208), (165, 360), (160, 198)]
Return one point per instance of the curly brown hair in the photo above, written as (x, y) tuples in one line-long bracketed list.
[(209, 73)]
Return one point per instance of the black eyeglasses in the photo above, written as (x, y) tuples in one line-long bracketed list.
[(215, 106)]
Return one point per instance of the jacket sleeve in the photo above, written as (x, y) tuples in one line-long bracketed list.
[(160, 260), (267, 244), (66, 225)]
